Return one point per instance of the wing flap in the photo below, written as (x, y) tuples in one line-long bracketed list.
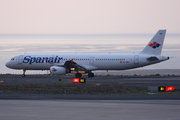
[(72, 64)]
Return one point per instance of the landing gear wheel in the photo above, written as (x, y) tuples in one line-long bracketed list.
[(78, 75), (90, 74)]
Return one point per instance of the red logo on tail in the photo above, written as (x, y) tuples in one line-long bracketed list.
[(154, 45)]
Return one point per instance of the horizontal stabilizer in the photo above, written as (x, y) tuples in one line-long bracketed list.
[(152, 58)]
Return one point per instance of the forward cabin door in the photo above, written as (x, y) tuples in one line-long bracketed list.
[(20, 59), (136, 59)]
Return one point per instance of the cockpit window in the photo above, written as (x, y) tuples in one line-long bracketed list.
[(12, 59)]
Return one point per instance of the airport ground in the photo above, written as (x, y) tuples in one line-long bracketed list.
[(98, 80), (80, 107), (98, 85)]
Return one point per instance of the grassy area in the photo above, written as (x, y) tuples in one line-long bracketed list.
[(70, 88), (165, 93)]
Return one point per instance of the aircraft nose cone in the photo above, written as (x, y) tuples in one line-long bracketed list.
[(7, 64)]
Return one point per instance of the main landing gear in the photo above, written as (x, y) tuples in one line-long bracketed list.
[(23, 75), (90, 74), (78, 75)]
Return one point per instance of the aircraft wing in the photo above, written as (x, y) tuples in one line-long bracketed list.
[(72, 64)]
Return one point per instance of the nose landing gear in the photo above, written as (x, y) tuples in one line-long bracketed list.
[(23, 75)]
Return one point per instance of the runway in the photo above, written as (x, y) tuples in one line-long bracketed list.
[(98, 80), (87, 97), (89, 109), (80, 107)]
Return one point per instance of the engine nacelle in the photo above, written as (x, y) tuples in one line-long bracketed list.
[(58, 70)]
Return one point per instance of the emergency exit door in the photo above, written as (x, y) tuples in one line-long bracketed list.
[(136, 59), (91, 60)]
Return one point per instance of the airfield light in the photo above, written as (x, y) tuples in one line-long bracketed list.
[(161, 89), (169, 88), (166, 88), (75, 80), (79, 80), (82, 80)]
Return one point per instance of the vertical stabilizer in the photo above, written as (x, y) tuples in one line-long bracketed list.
[(155, 45)]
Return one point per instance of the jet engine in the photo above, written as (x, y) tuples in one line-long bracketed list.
[(58, 70)]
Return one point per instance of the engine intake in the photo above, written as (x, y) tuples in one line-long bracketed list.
[(58, 70)]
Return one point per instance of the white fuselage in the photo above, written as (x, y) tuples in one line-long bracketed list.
[(95, 61), (66, 63)]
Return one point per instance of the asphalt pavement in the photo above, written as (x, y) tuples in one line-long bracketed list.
[(98, 80)]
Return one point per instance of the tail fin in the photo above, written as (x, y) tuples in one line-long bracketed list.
[(155, 45)]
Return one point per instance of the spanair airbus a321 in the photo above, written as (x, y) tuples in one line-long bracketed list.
[(86, 63)]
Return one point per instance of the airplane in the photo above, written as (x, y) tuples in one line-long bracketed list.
[(60, 64)]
